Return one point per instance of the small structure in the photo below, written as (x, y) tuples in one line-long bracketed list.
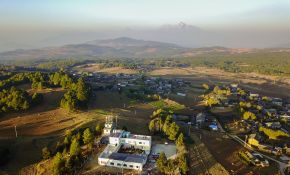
[(213, 126), (109, 125), (118, 139), (200, 118), (181, 94)]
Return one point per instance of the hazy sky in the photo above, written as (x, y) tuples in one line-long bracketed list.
[(42, 19)]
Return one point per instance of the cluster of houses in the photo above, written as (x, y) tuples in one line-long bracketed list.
[(272, 113), (164, 86), (156, 85), (124, 150)]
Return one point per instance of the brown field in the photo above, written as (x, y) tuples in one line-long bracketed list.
[(263, 84), (225, 151), (112, 70), (43, 125)]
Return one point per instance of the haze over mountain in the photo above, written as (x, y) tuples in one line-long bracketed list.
[(119, 48)]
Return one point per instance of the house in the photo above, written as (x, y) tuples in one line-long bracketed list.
[(285, 117), (120, 139), (200, 118), (181, 94), (273, 125), (253, 95)]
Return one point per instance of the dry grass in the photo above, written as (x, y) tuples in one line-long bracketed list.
[(111, 70)]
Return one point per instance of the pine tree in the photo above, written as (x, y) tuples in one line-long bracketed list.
[(57, 164), (180, 141), (99, 129), (183, 166), (75, 148), (152, 126), (161, 162), (88, 136), (173, 131), (81, 90)]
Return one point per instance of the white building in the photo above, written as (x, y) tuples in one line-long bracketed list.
[(120, 138)]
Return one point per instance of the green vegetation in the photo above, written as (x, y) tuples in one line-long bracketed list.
[(99, 129), (273, 134), (162, 122), (69, 154), (76, 97), (245, 159), (170, 166), (88, 137), (57, 164), (167, 105), (16, 100), (249, 116)]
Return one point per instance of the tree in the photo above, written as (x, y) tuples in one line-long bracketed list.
[(183, 166), (166, 124), (66, 141), (99, 129), (212, 101), (152, 126), (161, 162), (75, 148), (180, 141), (82, 92), (45, 153), (57, 164), (205, 86), (173, 131), (249, 116), (88, 136)]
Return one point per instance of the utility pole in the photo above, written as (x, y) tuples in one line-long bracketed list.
[(189, 125), (15, 128), (116, 121)]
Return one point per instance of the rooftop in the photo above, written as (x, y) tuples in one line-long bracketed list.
[(139, 137)]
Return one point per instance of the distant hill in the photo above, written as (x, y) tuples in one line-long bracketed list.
[(119, 48), (123, 47)]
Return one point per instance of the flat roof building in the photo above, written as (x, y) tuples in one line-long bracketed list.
[(123, 139)]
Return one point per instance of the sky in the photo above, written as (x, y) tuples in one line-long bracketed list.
[(22, 21)]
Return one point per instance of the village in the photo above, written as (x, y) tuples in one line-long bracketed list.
[(259, 123)]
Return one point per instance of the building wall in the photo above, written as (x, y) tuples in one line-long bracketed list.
[(114, 140), (120, 164)]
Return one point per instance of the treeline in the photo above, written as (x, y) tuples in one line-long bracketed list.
[(264, 62), (21, 78), (161, 122), (76, 97), (15, 99), (68, 156), (43, 64)]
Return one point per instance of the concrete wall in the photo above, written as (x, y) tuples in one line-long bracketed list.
[(120, 164)]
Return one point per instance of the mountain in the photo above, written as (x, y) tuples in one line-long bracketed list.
[(119, 48)]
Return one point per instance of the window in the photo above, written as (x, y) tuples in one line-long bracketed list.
[(112, 163), (118, 164), (131, 166), (140, 142), (125, 165), (137, 166)]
